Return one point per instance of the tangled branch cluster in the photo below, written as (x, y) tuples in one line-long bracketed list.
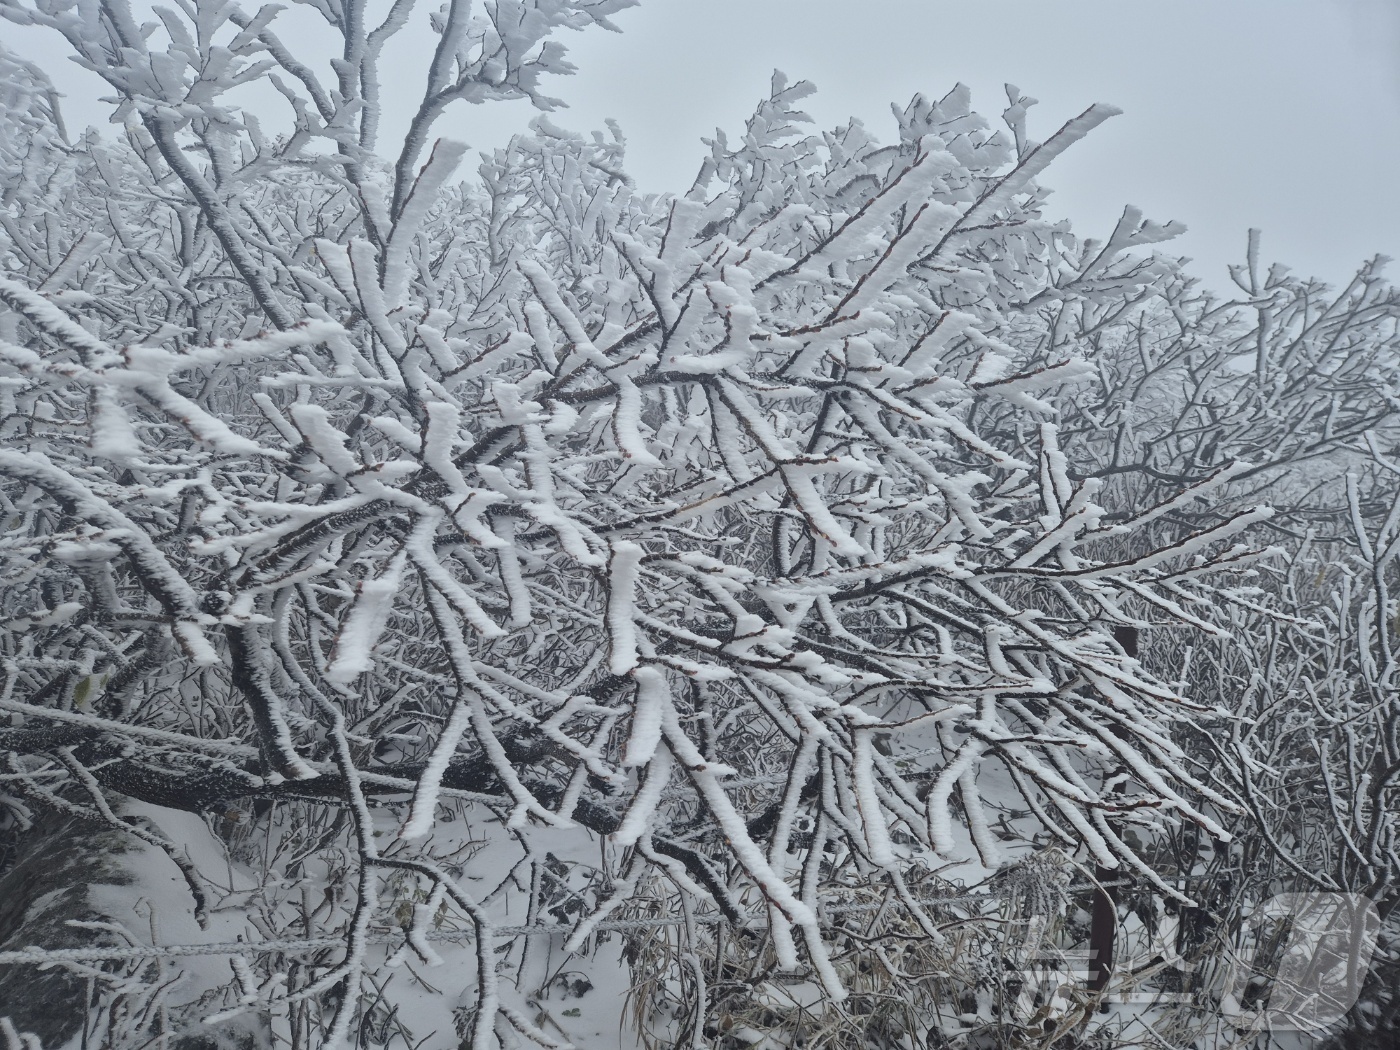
[(734, 533)]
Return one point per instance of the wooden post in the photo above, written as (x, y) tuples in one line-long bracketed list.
[(1102, 929)]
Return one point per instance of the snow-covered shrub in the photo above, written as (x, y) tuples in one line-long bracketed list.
[(508, 566)]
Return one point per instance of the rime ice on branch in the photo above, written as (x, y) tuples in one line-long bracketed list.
[(754, 535)]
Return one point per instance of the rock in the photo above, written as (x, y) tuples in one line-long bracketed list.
[(46, 886)]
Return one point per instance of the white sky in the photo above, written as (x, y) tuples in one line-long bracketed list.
[(1281, 114)]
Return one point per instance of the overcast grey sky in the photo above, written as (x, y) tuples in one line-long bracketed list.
[(1281, 114)]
